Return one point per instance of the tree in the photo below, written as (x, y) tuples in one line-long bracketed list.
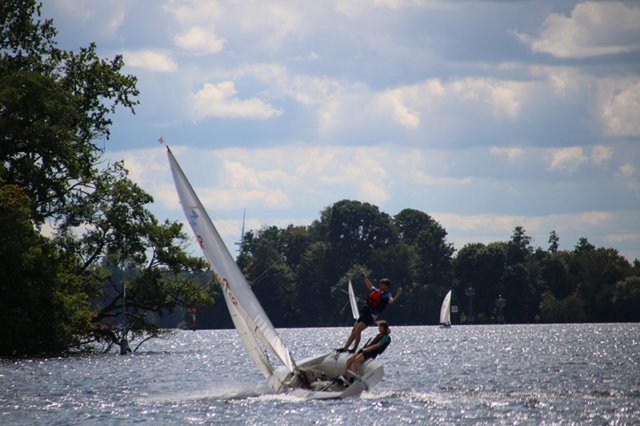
[(553, 242), (480, 267), (410, 223), (314, 286), (123, 245), (596, 272), (271, 278), (55, 109), (354, 230), (583, 245), (41, 307), (626, 299), (568, 309)]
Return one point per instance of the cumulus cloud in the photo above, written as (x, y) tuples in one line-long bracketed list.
[(103, 18), (592, 29), (199, 40), (219, 100), (566, 159), (626, 170), (426, 179), (485, 227), (193, 12), (601, 154), (431, 98), (150, 60), (272, 22), (353, 8), (622, 111), (512, 154)]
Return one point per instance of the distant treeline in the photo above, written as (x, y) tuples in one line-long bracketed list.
[(300, 273)]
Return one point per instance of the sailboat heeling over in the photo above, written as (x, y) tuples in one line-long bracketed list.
[(251, 322)]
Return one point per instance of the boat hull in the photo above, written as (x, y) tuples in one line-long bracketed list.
[(318, 377)]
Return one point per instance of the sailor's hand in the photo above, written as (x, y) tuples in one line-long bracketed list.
[(399, 292)]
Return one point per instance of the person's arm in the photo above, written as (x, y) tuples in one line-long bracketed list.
[(392, 300), (366, 281), (371, 347)]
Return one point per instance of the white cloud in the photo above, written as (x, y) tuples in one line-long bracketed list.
[(150, 60), (629, 175), (218, 100), (273, 22), (626, 170), (513, 154), (601, 154), (566, 159), (102, 18), (193, 12), (353, 8), (432, 98), (424, 179), (592, 29), (199, 40), (506, 223), (621, 112)]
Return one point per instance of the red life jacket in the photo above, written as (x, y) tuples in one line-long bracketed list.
[(378, 299)]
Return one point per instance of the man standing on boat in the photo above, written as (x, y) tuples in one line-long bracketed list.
[(378, 300)]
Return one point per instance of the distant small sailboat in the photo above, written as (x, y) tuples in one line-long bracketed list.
[(352, 301), (445, 311)]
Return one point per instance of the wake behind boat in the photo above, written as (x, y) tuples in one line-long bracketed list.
[(315, 377)]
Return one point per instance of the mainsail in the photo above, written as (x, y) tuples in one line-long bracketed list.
[(445, 310), (353, 303), (250, 320)]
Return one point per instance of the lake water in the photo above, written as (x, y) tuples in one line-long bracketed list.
[(510, 374)]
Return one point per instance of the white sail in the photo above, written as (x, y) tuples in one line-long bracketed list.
[(445, 310), (247, 314), (353, 303)]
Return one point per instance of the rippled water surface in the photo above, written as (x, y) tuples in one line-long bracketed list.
[(531, 374)]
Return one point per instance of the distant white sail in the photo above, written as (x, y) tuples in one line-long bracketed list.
[(445, 310), (353, 302), (248, 317)]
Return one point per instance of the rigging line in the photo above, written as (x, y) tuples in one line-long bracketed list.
[(253, 282)]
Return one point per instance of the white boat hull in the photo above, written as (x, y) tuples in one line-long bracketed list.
[(317, 377)]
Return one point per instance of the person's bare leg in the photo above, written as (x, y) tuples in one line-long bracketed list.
[(348, 364), (352, 336), (359, 328), (355, 364)]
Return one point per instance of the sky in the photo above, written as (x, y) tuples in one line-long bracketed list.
[(486, 115)]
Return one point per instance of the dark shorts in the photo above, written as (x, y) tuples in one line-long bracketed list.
[(365, 316), (370, 355)]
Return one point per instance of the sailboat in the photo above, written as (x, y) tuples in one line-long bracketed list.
[(445, 311), (352, 301), (314, 377)]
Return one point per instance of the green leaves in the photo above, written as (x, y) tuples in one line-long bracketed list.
[(55, 113), (54, 106)]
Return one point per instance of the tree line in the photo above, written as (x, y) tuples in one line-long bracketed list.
[(300, 273)]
